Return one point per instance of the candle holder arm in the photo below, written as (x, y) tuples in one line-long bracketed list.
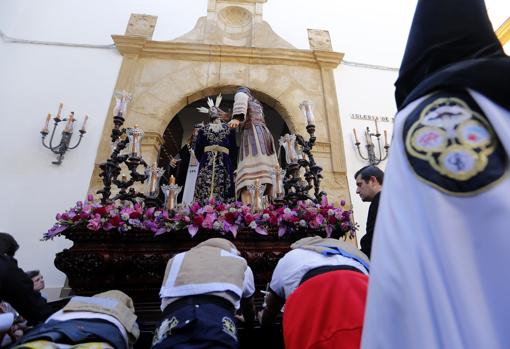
[(82, 132)]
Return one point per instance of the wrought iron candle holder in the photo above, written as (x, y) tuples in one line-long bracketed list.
[(297, 188), (123, 138), (371, 156), (67, 133)]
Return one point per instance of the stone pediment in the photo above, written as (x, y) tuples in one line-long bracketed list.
[(234, 23)]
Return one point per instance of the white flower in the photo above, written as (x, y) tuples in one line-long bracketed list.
[(287, 210), (265, 216), (331, 212), (253, 225), (157, 213), (302, 223), (217, 225), (232, 210), (125, 217)]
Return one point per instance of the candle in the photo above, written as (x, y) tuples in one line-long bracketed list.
[(46, 123), (376, 128), (367, 136), (69, 125), (170, 204), (60, 106), (84, 123), (134, 144), (153, 178), (355, 135), (276, 188), (172, 180), (291, 149), (257, 203), (385, 138), (306, 109)]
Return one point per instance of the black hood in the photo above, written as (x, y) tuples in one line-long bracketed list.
[(452, 44)]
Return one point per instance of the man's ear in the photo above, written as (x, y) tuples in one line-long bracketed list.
[(373, 180)]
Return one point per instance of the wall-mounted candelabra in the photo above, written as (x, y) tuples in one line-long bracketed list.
[(372, 157), (298, 155), (67, 133)]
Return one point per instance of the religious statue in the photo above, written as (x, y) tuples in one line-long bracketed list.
[(216, 150), (187, 169), (257, 154)]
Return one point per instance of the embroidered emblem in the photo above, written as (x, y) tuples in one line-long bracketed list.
[(164, 330), (451, 145), (229, 327)]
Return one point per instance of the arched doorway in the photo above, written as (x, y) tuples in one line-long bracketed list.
[(178, 131)]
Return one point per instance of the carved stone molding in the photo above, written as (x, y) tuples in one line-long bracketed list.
[(141, 25), (128, 45), (319, 40), (322, 147)]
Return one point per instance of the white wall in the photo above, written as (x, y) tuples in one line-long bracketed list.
[(363, 91), (34, 80)]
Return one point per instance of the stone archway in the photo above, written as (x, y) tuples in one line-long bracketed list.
[(166, 76), (179, 129)]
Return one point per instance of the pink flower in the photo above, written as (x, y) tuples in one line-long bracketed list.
[(209, 221), (248, 218), (94, 225), (195, 207)]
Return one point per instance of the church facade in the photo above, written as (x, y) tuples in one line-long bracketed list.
[(232, 46), (229, 47)]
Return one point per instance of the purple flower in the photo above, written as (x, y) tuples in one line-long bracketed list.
[(260, 230), (160, 231), (55, 230), (192, 230)]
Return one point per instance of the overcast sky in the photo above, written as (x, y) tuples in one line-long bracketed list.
[(368, 31)]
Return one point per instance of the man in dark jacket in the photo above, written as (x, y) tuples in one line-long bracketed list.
[(16, 287), (369, 180)]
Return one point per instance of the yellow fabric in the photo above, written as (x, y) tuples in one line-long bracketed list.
[(216, 148), (51, 345), (124, 311)]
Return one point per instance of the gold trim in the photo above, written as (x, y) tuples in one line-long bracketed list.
[(452, 193), (480, 163), (503, 32), (216, 148), (464, 194), (419, 132), (465, 142), (485, 153)]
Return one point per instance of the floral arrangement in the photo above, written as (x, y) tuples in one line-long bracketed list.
[(216, 216)]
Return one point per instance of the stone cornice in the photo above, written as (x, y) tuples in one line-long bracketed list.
[(152, 138), (130, 45), (322, 147)]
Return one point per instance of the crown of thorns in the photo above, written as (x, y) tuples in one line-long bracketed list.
[(211, 105)]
